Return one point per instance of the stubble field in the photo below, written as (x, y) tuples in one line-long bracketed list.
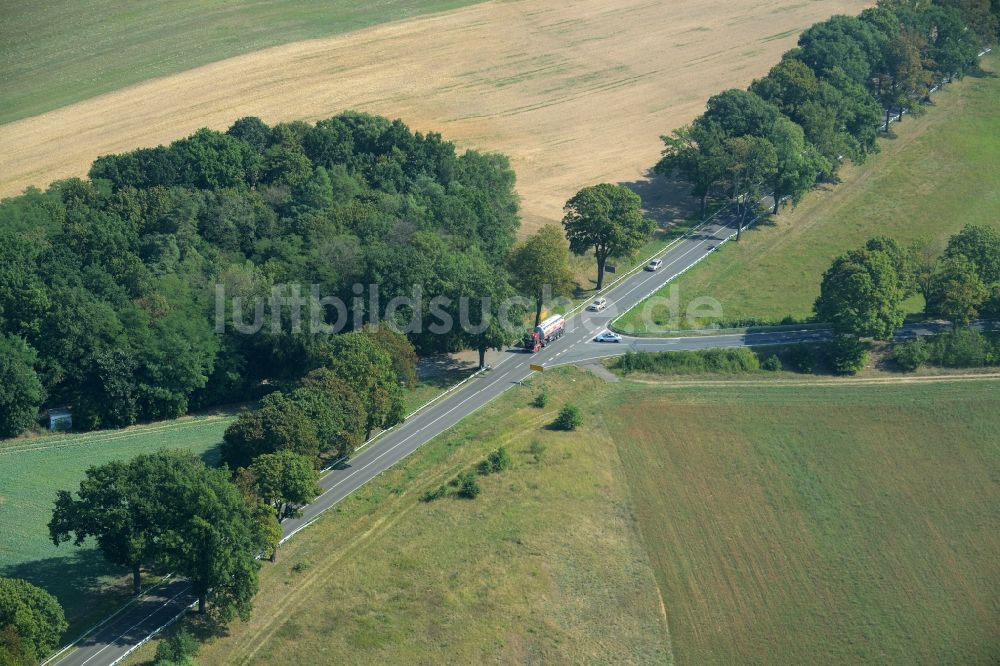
[(575, 92)]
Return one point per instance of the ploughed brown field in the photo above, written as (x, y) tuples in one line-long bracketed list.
[(575, 92)]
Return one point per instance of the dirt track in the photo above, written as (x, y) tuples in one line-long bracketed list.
[(576, 91)]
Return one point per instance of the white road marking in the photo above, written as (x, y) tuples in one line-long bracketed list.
[(163, 605)]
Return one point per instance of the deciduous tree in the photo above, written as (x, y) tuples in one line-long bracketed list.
[(21, 392), (365, 366), (980, 16), (842, 42), (539, 267), (981, 246), (904, 261), (492, 319), (211, 535), (31, 623), (737, 113), (606, 218), (955, 292), (342, 426), (751, 161), (280, 424), (399, 348), (694, 152), (285, 481), (253, 131), (797, 163), (861, 295)]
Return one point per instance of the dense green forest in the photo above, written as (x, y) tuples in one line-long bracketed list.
[(108, 286)]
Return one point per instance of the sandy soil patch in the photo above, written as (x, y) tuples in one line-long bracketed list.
[(575, 91)]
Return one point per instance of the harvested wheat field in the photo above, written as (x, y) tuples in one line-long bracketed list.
[(576, 92)]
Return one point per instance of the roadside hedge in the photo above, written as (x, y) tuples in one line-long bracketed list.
[(722, 361)]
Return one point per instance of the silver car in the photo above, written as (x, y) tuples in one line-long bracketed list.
[(598, 304), (654, 265)]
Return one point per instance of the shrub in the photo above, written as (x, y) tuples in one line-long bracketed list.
[(468, 486), (802, 358), (432, 495), (963, 348), (541, 399), (772, 363), (569, 418), (728, 361), (912, 354), (176, 648), (846, 355), (756, 322), (496, 462)]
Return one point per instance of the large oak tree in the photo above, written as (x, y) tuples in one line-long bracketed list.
[(607, 219)]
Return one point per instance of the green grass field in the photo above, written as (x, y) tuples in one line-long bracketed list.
[(61, 51), (816, 521), (940, 172), (32, 470), (834, 523)]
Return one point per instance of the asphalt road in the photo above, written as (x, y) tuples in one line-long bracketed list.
[(110, 642)]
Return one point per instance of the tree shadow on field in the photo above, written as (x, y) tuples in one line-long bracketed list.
[(667, 200), (212, 457), (442, 369), (86, 585), (980, 73)]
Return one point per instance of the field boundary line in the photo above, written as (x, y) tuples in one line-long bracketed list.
[(833, 382)]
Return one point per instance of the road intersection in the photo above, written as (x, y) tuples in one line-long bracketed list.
[(110, 642)]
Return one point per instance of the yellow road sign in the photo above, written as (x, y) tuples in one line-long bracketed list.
[(536, 368)]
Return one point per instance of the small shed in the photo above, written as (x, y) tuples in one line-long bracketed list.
[(60, 419)]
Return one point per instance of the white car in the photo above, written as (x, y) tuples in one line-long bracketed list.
[(608, 336), (654, 265), (598, 305)]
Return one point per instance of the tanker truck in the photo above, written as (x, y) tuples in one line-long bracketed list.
[(551, 329)]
